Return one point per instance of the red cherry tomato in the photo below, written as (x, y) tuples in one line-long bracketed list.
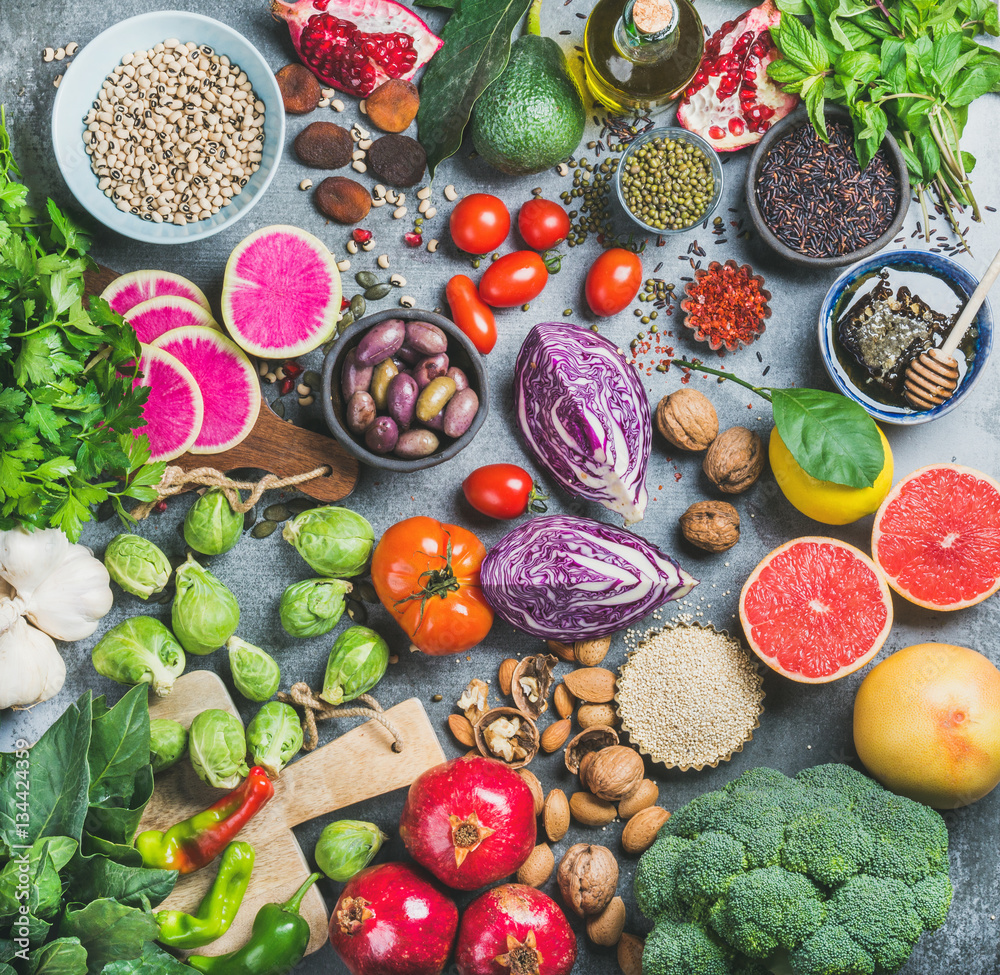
[(470, 314), (542, 224), (513, 279), (502, 491), (479, 223), (613, 281)]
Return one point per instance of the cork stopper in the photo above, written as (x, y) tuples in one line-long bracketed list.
[(653, 16)]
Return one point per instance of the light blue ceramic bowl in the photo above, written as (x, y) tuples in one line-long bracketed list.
[(83, 80), (903, 416)]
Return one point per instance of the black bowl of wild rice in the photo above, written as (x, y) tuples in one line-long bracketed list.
[(813, 203)]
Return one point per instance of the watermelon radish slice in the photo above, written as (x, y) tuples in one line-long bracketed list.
[(152, 318), (281, 293), (227, 380), (174, 410), (135, 287)]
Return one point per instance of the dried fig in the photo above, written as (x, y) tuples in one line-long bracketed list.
[(530, 684), (711, 525), (397, 160), (393, 105), (300, 91), (735, 460), (324, 145), (343, 199)]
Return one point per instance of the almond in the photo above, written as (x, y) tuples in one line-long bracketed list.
[(597, 714), (644, 795), (531, 781), (506, 674), (640, 831), (588, 810), (564, 651), (606, 928), (594, 685), (461, 727), (555, 815), (564, 701), (538, 867), (591, 652), (630, 954), (555, 735)]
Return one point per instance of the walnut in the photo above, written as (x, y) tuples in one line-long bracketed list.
[(588, 878), (508, 735), (711, 525), (473, 701), (613, 772), (530, 684), (734, 460), (591, 739), (687, 419)]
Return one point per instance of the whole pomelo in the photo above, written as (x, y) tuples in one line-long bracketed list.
[(927, 724)]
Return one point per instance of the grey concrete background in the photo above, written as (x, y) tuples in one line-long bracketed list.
[(802, 725)]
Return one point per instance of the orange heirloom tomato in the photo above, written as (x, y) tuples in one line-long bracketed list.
[(427, 576)]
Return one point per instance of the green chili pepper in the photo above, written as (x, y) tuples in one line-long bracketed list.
[(218, 908), (277, 942)]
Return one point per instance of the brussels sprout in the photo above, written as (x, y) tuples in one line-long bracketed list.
[(218, 748), (211, 526), (255, 673), (137, 565), (140, 651), (334, 541), (313, 607), (167, 743), (357, 662), (348, 846), (274, 736), (205, 613)]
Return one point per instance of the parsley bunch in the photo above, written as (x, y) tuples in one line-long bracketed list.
[(67, 406), (911, 67)]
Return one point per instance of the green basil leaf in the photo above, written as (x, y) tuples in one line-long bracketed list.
[(64, 956), (978, 80), (831, 437), (109, 931), (475, 52), (862, 66), (929, 156)]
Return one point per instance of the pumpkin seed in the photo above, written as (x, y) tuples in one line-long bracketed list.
[(357, 612), (277, 512), (312, 379), (263, 529), (347, 318), (358, 307), (298, 505), (249, 518), (328, 346), (378, 292), (366, 279), (365, 591), (279, 408)]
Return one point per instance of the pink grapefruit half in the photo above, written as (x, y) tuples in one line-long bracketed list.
[(129, 290), (174, 410), (816, 609), (937, 537), (153, 318)]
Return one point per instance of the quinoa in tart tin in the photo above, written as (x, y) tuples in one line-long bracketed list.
[(689, 695)]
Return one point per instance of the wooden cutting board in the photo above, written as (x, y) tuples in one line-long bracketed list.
[(273, 445), (359, 765)]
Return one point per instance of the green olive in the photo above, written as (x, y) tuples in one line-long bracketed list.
[(383, 372), (435, 397)]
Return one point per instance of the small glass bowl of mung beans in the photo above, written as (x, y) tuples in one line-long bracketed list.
[(669, 180)]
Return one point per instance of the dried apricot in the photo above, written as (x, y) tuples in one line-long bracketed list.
[(397, 160), (343, 199), (393, 105), (324, 145), (300, 91)]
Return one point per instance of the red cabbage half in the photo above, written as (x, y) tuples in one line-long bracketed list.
[(561, 577), (584, 415)]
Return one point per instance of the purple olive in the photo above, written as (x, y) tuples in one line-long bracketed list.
[(401, 399), (426, 338), (409, 355), (461, 379), (382, 435), (381, 341), (430, 368), (460, 412), (360, 412), (354, 377), (416, 443)]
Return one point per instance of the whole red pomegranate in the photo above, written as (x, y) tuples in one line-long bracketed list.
[(393, 919), (356, 45), (469, 821), (731, 101), (514, 930)]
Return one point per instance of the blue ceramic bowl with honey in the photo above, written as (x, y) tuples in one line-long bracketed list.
[(944, 281)]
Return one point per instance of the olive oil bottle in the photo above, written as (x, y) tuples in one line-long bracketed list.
[(641, 54)]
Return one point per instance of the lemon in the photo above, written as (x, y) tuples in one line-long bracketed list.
[(832, 504)]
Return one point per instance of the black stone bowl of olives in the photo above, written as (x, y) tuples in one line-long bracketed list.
[(404, 390)]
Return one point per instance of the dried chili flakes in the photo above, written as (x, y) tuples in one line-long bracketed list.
[(726, 305)]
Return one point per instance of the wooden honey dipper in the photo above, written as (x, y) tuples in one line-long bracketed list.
[(932, 377)]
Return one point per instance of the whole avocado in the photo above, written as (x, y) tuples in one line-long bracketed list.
[(532, 116)]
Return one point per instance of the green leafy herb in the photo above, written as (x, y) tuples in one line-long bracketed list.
[(64, 956), (109, 931), (909, 67), (67, 406), (153, 961), (831, 437), (475, 52)]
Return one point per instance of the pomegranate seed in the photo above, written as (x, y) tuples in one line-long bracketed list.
[(160, 506), (413, 239), (700, 79), (736, 126), (345, 303), (766, 112), (727, 63), (287, 385), (727, 27), (763, 127), (292, 369), (716, 133), (361, 236), (749, 75), (749, 86)]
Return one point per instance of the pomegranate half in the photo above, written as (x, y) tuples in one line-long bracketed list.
[(393, 919), (731, 101), (470, 821), (514, 930)]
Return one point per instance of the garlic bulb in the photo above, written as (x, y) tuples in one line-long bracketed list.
[(26, 558), (30, 665)]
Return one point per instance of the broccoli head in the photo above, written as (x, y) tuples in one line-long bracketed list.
[(825, 874)]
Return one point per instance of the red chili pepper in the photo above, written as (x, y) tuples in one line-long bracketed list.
[(196, 842)]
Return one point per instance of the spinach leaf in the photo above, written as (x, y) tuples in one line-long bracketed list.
[(92, 878), (154, 961), (119, 747), (475, 52), (109, 931), (40, 869), (116, 819), (64, 956), (5, 969), (123, 853)]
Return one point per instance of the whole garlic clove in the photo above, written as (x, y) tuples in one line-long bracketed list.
[(70, 601), (31, 669), (26, 558)]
